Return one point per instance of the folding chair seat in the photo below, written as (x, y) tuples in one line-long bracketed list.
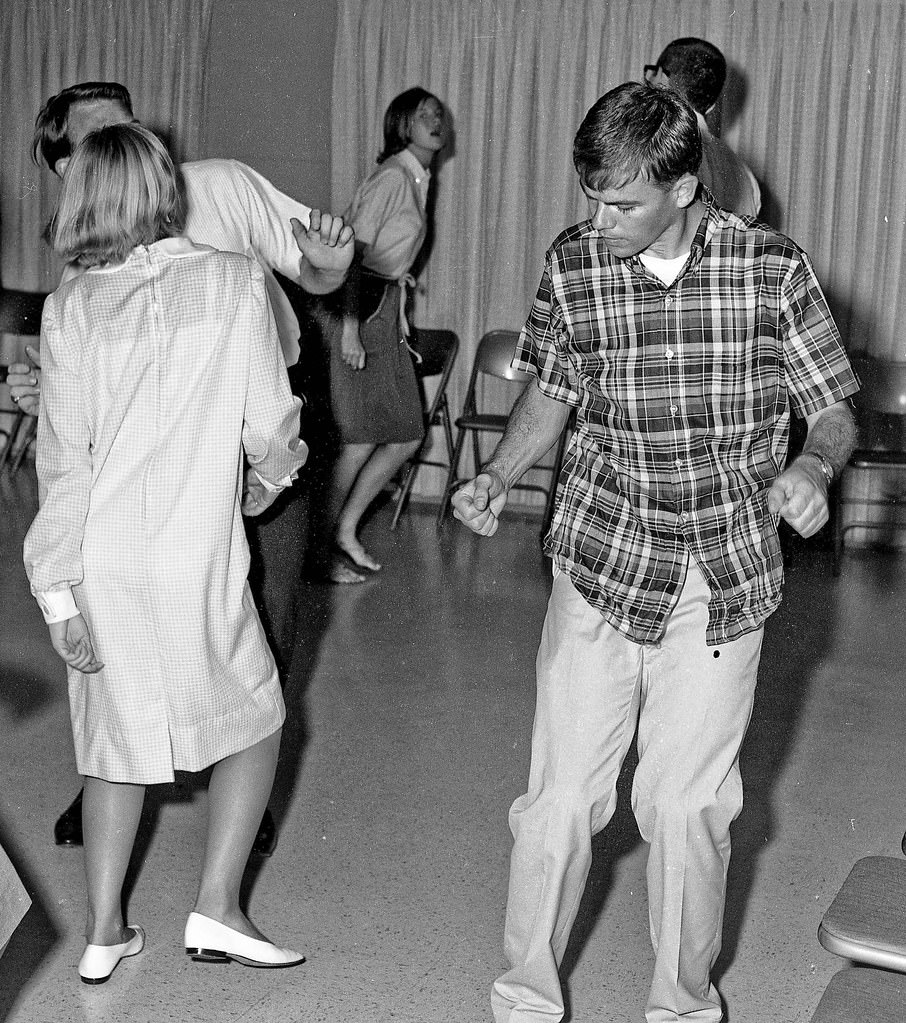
[(437, 349), (882, 402), (861, 995), (492, 360), (866, 922), (20, 315)]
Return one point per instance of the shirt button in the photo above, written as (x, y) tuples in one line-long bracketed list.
[(684, 517), (668, 299), (673, 410), (678, 463), (668, 354)]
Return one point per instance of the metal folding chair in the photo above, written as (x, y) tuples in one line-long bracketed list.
[(493, 358), (883, 394), (437, 349), (866, 924)]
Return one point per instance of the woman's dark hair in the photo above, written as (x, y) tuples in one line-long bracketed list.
[(637, 130), (51, 139), (398, 120), (119, 191)]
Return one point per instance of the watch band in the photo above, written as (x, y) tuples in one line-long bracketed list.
[(827, 469)]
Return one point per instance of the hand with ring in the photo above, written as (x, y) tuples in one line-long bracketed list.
[(25, 382)]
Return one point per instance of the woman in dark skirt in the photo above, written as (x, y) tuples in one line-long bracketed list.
[(375, 399)]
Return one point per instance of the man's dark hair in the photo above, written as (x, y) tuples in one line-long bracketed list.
[(637, 130), (398, 120), (697, 70), (51, 140)]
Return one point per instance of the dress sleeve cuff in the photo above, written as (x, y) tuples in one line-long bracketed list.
[(287, 481), (57, 605)]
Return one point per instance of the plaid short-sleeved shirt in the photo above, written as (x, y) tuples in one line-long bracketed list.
[(683, 397)]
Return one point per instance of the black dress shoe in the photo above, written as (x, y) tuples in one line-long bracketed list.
[(266, 839), (68, 829)]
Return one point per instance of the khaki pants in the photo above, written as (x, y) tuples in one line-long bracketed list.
[(692, 704)]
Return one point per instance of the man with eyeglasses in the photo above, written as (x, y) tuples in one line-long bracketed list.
[(696, 70)]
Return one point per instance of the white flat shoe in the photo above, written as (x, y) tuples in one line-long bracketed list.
[(99, 961), (209, 941)]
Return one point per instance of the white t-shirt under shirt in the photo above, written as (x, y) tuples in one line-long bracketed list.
[(666, 270)]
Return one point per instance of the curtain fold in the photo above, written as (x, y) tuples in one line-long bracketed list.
[(814, 104), (155, 48)]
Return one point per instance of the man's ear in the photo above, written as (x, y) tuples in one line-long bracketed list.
[(59, 168), (684, 190)]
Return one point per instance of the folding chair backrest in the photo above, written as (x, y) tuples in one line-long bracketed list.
[(437, 349), (883, 385), (495, 353)]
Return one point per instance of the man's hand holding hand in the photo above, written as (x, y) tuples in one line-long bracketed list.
[(479, 502), (25, 382), (799, 495)]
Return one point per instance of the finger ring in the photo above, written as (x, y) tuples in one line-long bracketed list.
[(15, 398)]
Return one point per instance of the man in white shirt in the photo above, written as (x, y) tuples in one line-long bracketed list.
[(233, 208), (696, 70)]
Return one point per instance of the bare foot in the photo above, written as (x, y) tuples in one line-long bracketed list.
[(340, 571), (357, 553)]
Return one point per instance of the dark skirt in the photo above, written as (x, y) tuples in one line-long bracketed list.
[(380, 404)]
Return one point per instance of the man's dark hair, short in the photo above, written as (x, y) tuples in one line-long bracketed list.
[(697, 70), (398, 120), (51, 140), (637, 130)]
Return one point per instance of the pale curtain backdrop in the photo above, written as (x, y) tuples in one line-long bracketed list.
[(814, 104), (153, 47)]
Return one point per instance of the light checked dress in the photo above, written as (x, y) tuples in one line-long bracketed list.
[(158, 373)]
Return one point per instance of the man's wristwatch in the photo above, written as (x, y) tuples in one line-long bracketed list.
[(827, 469)]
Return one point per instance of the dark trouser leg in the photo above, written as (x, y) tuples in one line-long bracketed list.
[(278, 540)]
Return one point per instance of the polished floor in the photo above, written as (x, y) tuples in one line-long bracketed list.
[(410, 711)]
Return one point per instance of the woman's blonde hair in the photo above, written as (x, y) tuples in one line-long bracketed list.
[(119, 191)]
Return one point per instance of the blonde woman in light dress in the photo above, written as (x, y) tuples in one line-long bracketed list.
[(162, 374)]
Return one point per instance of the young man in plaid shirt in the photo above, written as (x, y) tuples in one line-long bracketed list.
[(683, 338)]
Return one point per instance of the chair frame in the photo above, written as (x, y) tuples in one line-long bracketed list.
[(885, 395), (472, 421), (436, 414)]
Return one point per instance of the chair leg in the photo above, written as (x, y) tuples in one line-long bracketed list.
[(448, 427), (402, 498), (452, 480)]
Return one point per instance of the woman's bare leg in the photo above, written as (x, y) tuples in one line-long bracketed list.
[(348, 465), (377, 471), (237, 795), (110, 815)]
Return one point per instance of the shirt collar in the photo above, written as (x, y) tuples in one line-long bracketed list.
[(412, 164)]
